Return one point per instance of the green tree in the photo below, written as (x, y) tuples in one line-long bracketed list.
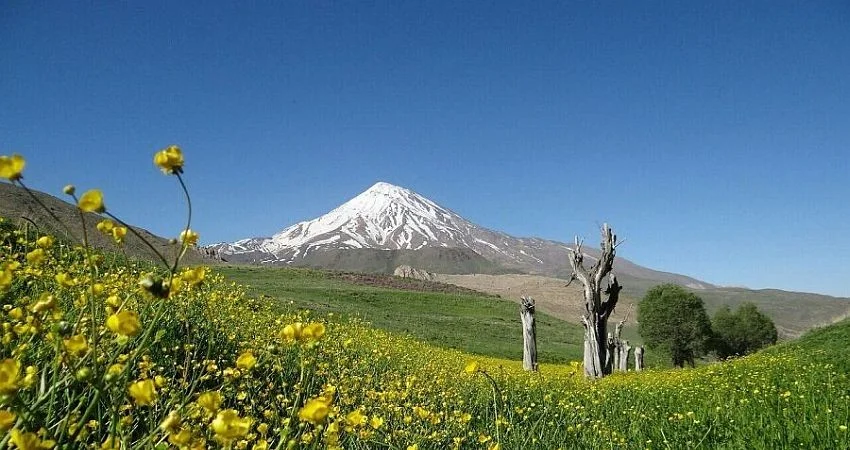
[(742, 332), (673, 320)]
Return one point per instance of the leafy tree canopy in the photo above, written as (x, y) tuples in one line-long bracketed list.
[(673, 320), (742, 332)]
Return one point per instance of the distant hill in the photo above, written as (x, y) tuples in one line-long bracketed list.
[(17, 206), (792, 312)]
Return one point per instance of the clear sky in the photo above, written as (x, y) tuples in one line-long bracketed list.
[(713, 136)]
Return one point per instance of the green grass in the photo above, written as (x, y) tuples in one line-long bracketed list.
[(475, 324)]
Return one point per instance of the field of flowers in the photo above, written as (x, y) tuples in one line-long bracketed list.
[(102, 353)]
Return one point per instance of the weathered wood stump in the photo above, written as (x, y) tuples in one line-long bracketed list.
[(529, 334), (638, 358)]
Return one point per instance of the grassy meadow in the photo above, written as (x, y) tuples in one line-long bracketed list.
[(101, 352)]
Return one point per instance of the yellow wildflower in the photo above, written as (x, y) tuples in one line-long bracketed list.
[(194, 276), (125, 323), (7, 419), (36, 257), (246, 360), (376, 422), (169, 159), (180, 438), (11, 167), (210, 400), (189, 237), (143, 392), (292, 332), (44, 242), (65, 280), (118, 234), (105, 226), (313, 331), (5, 279), (111, 443), (227, 425), (355, 418), (10, 372), (77, 345), (45, 302), (92, 201), (315, 410), (28, 441), (171, 423), (471, 368), (69, 189)]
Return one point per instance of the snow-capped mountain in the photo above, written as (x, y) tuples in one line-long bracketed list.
[(388, 217)]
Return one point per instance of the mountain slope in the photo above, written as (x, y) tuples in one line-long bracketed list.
[(388, 217), (17, 206)]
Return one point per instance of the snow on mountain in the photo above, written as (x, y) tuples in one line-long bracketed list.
[(389, 217), (383, 217)]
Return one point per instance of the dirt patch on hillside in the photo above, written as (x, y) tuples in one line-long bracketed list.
[(551, 295), (407, 284)]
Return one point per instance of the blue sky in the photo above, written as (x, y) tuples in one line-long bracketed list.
[(713, 136)]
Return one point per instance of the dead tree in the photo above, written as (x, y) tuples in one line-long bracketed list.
[(620, 347), (529, 334), (624, 355), (597, 310), (638, 358)]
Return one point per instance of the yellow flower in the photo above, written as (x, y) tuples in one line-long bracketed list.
[(44, 242), (169, 159), (143, 392), (246, 360), (111, 443), (194, 276), (313, 331), (35, 257), (413, 447), (376, 422), (5, 279), (181, 438), (77, 345), (292, 332), (29, 441), (65, 280), (118, 234), (188, 237), (45, 302), (171, 423), (210, 400), (115, 369), (105, 226), (355, 418), (92, 201), (11, 167), (227, 425), (69, 189), (471, 368), (315, 410), (125, 323), (494, 446), (7, 419), (10, 371)]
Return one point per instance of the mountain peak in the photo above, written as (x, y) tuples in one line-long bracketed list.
[(382, 187)]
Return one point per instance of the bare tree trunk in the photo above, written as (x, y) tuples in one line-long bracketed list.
[(529, 334), (597, 310), (610, 357), (624, 355), (638, 358), (613, 352)]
